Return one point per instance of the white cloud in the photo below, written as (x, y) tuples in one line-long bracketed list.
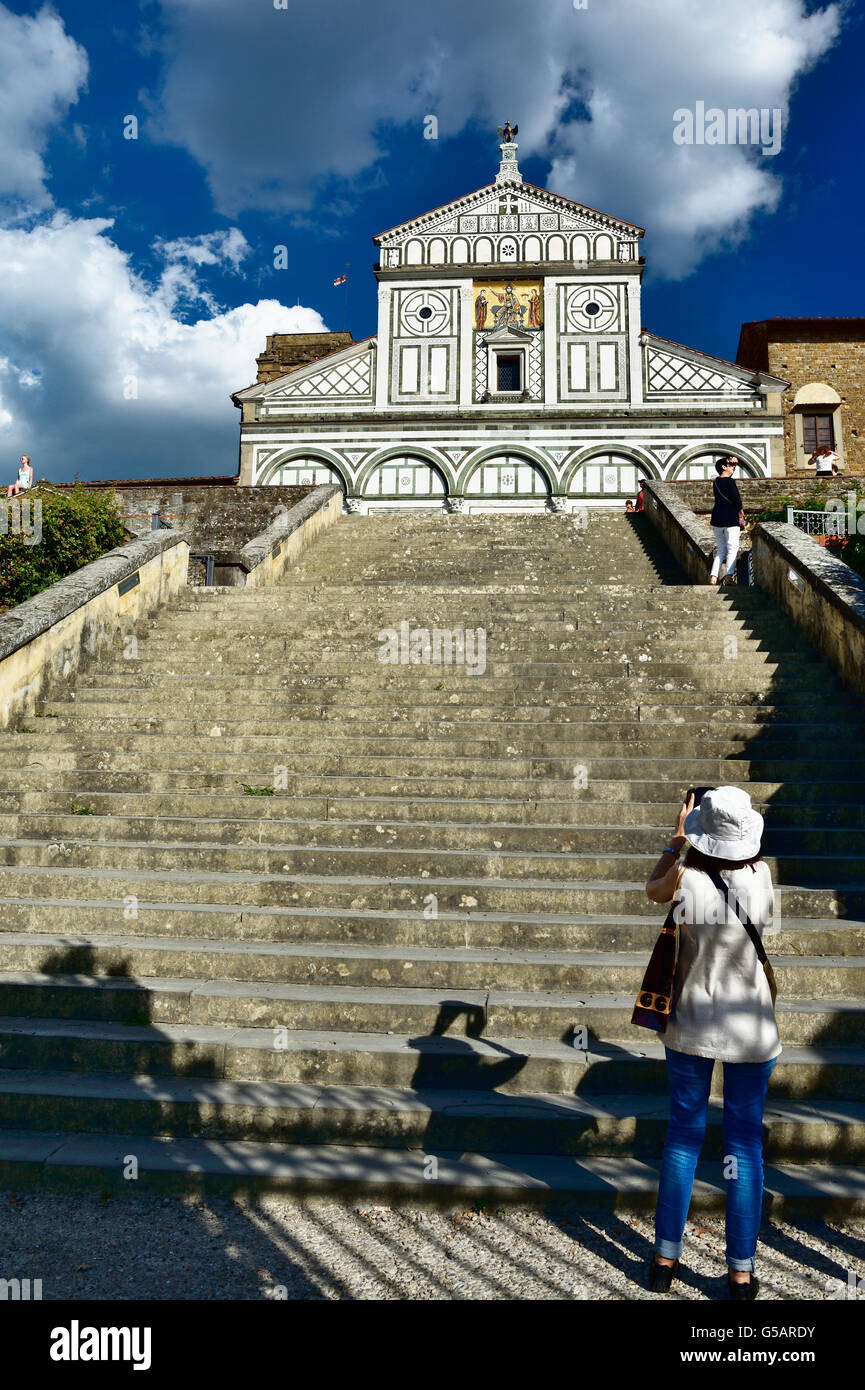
[(81, 330), (42, 70), (272, 102)]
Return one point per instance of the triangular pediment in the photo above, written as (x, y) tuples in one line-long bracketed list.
[(672, 369), (500, 336), (522, 203), (348, 375)]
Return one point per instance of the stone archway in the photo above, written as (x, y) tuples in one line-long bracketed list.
[(609, 477), (506, 480), (301, 470), (403, 476)]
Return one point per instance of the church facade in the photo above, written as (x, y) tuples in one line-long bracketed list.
[(510, 371)]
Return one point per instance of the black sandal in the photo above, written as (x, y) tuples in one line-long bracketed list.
[(661, 1276)]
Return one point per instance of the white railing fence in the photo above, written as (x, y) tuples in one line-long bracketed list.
[(818, 523)]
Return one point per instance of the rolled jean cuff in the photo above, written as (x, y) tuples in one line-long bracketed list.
[(743, 1266), (668, 1249)]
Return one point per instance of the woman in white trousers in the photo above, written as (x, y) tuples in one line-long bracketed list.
[(725, 519)]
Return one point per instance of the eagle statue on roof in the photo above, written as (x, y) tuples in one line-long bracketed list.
[(507, 132)]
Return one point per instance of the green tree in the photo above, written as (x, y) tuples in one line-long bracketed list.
[(77, 526)]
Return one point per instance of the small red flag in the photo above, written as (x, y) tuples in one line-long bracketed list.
[(341, 281)]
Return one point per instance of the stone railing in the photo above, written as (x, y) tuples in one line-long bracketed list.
[(263, 559), (823, 596), (687, 537), (47, 639)]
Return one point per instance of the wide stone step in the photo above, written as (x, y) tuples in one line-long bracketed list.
[(145, 755), (598, 1017), (755, 670), (502, 649), (779, 838), (543, 802), (526, 629), (385, 893), (462, 741), (366, 928), (229, 706), (514, 1066), (385, 863), (96, 1162), (458, 740), (134, 959), (782, 806), (635, 682), (430, 702), (429, 1121)]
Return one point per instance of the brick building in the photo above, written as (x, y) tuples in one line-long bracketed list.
[(285, 352), (824, 361)]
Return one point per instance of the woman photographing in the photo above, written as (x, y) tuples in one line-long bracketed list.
[(723, 1012)]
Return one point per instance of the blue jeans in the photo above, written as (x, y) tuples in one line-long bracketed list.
[(745, 1085)]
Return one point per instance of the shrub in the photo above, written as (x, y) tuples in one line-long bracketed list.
[(851, 549), (77, 526)]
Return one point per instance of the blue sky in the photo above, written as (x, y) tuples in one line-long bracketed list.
[(139, 281)]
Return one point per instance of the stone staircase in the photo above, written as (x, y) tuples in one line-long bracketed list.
[(277, 914)]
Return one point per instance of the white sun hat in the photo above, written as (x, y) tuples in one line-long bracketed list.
[(725, 825)]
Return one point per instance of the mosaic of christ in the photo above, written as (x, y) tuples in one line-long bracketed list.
[(506, 305)]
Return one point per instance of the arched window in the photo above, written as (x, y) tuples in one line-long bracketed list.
[(414, 253), (507, 475), (817, 422), (438, 251), (608, 475), (306, 472), (404, 476), (702, 466)]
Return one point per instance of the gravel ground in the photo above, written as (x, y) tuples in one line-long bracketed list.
[(87, 1247)]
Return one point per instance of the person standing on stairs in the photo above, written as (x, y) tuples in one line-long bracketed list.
[(723, 1012), (727, 519)]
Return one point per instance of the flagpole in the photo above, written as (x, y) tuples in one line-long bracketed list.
[(345, 316)]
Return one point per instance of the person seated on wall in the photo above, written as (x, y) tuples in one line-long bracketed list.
[(629, 506), (640, 506), (24, 480), (823, 459)]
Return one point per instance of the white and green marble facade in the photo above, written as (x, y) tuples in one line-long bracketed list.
[(414, 416)]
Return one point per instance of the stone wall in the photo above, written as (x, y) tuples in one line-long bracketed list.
[(823, 596), (266, 558), (686, 534), (830, 351), (47, 639), (760, 493), (218, 520), (285, 352)]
